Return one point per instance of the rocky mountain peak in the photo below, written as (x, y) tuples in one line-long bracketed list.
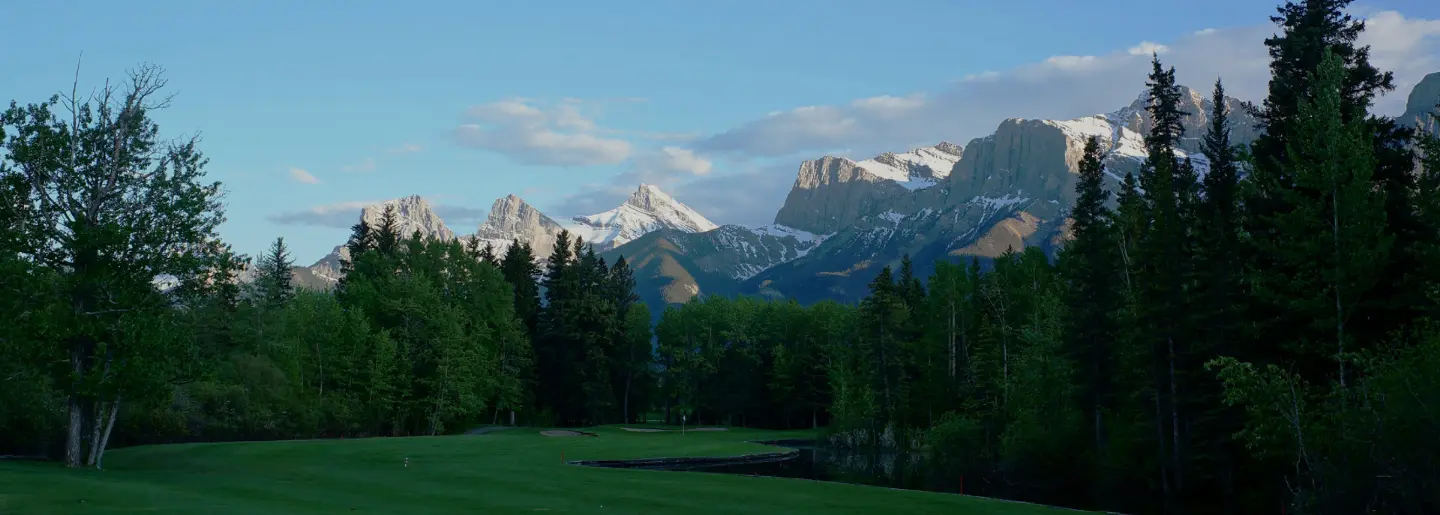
[(412, 213), (648, 197), (888, 158), (1421, 105), (647, 209), (950, 148)]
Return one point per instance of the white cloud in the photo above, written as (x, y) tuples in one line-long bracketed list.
[(1410, 47), (558, 135), (673, 161), (1148, 48), (405, 148), (303, 177), (1063, 86), (364, 165), (340, 215)]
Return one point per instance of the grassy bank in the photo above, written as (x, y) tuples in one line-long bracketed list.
[(511, 471)]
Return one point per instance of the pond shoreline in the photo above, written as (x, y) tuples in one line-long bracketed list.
[(699, 462)]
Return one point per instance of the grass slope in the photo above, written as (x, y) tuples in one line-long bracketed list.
[(511, 471)]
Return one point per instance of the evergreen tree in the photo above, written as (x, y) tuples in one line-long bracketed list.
[(274, 279), (1218, 303), (1329, 250), (1163, 272), (884, 316), (1090, 265), (523, 273), (1309, 29), (487, 254), (388, 239)]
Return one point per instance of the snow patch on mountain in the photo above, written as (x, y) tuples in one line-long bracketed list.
[(648, 209), (916, 169)]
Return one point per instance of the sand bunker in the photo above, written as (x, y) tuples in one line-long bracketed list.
[(565, 432)]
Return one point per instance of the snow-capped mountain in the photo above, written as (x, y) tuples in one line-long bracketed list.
[(648, 209), (832, 192), (1010, 189), (918, 168)]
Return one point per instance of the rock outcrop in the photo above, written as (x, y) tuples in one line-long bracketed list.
[(510, 219), (412, 215), (1009, 190), (830, 193), (1422, 107)]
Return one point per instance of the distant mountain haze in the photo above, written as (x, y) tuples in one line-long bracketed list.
[(844, 220)]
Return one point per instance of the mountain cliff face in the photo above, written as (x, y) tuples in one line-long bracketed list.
[(832, 192), (512, 219), (1010, 189), (412, 214), (1423, 105)]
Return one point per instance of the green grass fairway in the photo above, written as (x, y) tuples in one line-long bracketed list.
[(511, 471)]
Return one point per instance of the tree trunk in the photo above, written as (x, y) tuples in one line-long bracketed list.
[(96, 408), (72, 434), (76, 405), (630, 375), (105, 437), (1175, 420)]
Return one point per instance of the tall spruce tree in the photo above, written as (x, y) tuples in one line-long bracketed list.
[(274, 280), (1329, 250), (523, 273), (1163, 272), (1090, 264), (1309, 28)]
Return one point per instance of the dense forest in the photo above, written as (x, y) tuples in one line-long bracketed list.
[(1253, 332)]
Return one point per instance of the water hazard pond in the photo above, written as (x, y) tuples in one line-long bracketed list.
[(809, 461)]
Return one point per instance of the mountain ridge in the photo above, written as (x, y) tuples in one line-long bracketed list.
[(845, 219)]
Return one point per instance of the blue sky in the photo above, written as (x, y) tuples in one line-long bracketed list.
[(571, 103)]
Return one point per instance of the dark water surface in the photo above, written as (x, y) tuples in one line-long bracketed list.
[(875, 468)]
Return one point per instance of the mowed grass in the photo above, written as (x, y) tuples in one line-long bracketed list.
[(510, 471)]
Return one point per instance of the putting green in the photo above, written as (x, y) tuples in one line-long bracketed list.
[(510, 471)]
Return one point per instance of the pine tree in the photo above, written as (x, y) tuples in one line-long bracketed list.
[(1330, 248), (1090, 264), (1218, 304), (884, 321), (274, 278), (487, 254), (1309, 29), (521, 271), (387, 233), (1163, 272)]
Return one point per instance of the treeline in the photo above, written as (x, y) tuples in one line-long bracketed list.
[(1247, 331), (124, 319)]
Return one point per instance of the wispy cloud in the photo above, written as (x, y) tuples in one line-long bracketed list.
[(457, 217), (303, 177), (1062, 86), (405, 148), (537, 134), (339, 215), (364, 165)]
